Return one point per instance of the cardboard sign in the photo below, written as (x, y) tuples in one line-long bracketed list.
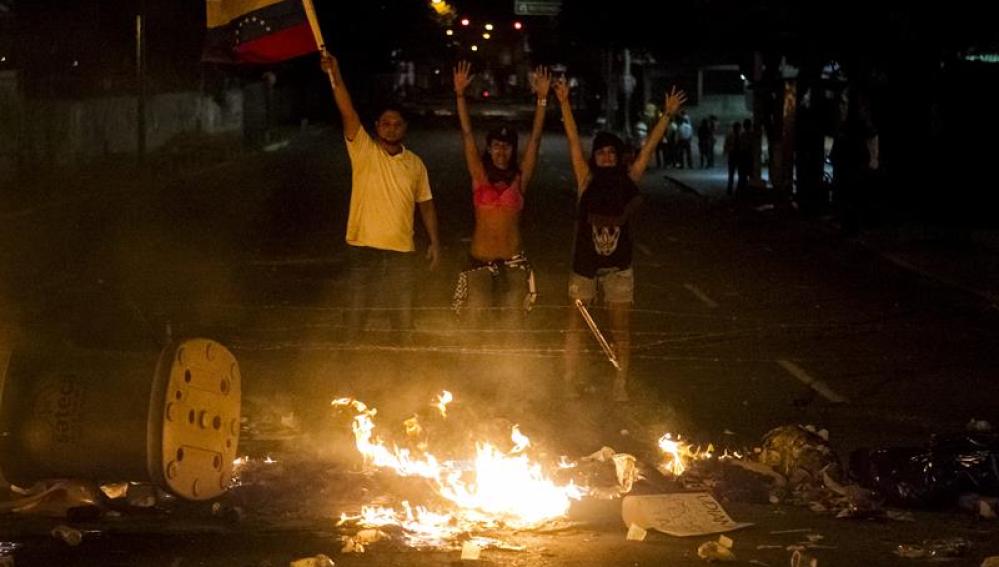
[(681, 515), (636, 533)]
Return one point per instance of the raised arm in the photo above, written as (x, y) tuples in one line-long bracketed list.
[(579, 166), (462, 79), (674, 100), (351, 121), (540, 82)]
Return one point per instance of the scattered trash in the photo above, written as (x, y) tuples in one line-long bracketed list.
[(984, 507), (934, 475), (744, 481), (760, 469), (369, 536), (57, 499), (606, 483), (851, 491), (71, 536), (796, 452), (937, 548), (470, 551), (627, 472), (636, 533), (141, 495), (320, 560), (979, 425), (115, 491), (493, 543), (802, 559), (720, 550), (351, 545), (681, 514)]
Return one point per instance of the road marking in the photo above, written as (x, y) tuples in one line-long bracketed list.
[(813, 383), (700, 295)]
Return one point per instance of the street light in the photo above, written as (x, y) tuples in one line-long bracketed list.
[(465, 21), (518, 25), (475, 48), (489, 27), (449, 32), (486, 36)]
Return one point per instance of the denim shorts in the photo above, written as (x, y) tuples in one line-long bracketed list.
[(614, 286)]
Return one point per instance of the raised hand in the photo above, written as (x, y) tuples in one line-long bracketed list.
[(561, 88), (541, 81), (675, 99), (462, 77), (328, 63)]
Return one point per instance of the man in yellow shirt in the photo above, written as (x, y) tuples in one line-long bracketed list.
[(387, 182)]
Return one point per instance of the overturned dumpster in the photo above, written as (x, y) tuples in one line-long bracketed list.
[(170, 418)]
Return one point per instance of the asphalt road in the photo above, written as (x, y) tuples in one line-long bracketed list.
[(744, 321)]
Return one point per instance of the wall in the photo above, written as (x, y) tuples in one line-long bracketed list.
[(73, 132)]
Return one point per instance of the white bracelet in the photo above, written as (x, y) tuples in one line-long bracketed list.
[(542, 102)]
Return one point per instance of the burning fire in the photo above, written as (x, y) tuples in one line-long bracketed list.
[(678, 455), (442, 401), (496, 488)]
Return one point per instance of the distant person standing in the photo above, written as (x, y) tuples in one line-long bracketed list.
[(664, 149), (744, 156), (685, 137), (388, 182), (713, 124), (855, 161), (732, 153), (705, 144)]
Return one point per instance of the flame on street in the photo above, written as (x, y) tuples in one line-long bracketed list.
[(678, 455), (494, 488)]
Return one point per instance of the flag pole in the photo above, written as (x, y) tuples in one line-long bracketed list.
[(310, 14)]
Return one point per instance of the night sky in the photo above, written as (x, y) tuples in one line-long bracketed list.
[(99, 34)]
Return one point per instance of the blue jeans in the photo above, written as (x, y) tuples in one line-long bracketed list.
[(380, 280)]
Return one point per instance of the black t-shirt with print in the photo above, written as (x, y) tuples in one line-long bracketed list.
[(608, 246)]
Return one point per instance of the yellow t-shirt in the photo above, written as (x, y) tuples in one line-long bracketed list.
[(385, 189)]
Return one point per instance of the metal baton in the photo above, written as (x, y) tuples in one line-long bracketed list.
[(608, 350)]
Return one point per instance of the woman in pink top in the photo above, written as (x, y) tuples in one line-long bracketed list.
[(498, 274)]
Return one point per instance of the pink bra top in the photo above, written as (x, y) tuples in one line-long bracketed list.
[(504, 196)]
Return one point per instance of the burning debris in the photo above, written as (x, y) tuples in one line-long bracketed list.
[(487, 488), (794, 465), (442, 482)]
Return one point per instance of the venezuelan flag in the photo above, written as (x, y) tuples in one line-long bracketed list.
[(257, 31)]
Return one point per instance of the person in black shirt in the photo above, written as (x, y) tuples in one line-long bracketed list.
[(607, 197)]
